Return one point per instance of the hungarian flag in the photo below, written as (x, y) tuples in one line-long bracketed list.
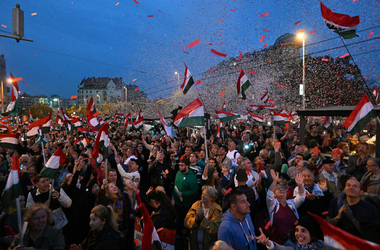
[(12, 188), (360, 116), (375, 94), (101, 144), (15, 85), (327, 122), (342, 24), (255, 107), (90, 107), (41, 138), (139, 120), (265, 97), (168, 129), (257, 118), (226, 116), (82, 142), (224, 107), (12, 108), (76, 122), (10, 141), (242, 85), (106, 117), (280, 119), (84, 131), (93, 122), (188, 80), (44, 123), (219, 126), (191, 115), (51, 168), (340, 239), (127, 118), (118, 115)]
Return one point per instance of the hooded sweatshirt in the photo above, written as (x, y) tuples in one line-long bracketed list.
[(238, 234)]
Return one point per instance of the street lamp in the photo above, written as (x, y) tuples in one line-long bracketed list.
[(85, 101), (176, 73), (99, 99), (126, 98), (301, 35)]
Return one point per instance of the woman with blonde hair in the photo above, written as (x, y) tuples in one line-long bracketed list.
[(103, 233), (38, 234), (203, 220)]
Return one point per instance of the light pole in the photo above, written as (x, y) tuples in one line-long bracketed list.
[(126, 98), (301, 35), (85, 101), (176, 73), (99, 100)]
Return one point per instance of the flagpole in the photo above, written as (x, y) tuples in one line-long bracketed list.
[(369, 91), (204, 133), (19, 222), (43, 152), (106, 168)]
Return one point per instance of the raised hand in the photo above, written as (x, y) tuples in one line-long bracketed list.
[(262, 238), (299, 179), (274, 175), (322, 184)]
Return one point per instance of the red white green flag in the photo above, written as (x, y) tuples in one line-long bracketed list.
[(280, 118), (360, 116), (51, 168), (343, 25), (101, 144), (219, 126), (188, 80), (139, 120), (226, 116), (12, 189), (242, 85), (44, 123), (168, 129), (191, 115), (257, 118)]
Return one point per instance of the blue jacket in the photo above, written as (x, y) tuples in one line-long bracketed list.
[(236, 233)]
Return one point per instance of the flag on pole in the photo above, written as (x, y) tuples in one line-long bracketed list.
[(280, 119), (12, 189), (93, 122), (168, 129), (342, 24), (375, 94), (360, 116), (82, 142), (10, 141), (90, 107), (191, 115), (41, 138), (126, 125), (12, 108), (15, 85), (226, 116), (51, 168), (44, 123), (242, 85), (118, 115), (219, 127), (327, 122), (139, 120), (101, 144), (188, 80), (257, 118)]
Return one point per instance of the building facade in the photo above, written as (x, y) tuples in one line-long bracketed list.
[(25, 101)]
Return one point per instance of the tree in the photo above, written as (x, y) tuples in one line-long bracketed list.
[(40, 110), (81, 111)]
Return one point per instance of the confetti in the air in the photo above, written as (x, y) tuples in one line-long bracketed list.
[(160, 11), (268, 225), (183, 47), (5, 26), (252, 72), (270, 60), (134, 79), (221, 22), (325, 60), (325, 212), (221, 93), (18, 79), (218, 53), (311, 32), (301, 31), (136, 1), (73, 97), (265, 14), (25, 85), (136, 88), (345, 55), (282, 86), (370, 34), (198, 82), (240, 55), (33, 14), (262, 38), (228, 190), (266, 44), (266, 30), (192, 44), (239, 68), (117, 4), (297, 22), (150, 15), (232, 10)]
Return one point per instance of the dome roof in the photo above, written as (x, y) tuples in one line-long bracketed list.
[(288, 39)]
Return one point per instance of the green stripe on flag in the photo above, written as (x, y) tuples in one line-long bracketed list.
[(8, 200), (229, 118), (347, 34), (49, 173), (362, 122), (9, 145), (192, 121), (244, 87), (188, 85)]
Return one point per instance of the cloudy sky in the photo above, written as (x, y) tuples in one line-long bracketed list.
[(146, 41)]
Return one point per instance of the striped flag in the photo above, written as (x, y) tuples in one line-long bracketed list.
[(327, 122), (101, 144), (190, 116), (360, 116), (342, 24), (139, 120), (168, 129), (265, 97), (10, 141), (51, 168), (127, 118), (242, 85), (226, 116), (41, 138), (82, 142), (219, 126), (224, 107), (12, 108), (188, 80), (280, 118), (257, 118), (44, 123), (12, 189)]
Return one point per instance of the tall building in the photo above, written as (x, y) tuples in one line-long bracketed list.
[(25, 101), (106, 89)]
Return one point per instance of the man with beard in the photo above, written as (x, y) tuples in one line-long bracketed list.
[(357, 163)]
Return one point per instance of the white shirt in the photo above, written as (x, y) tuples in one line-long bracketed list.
[(231, 155)]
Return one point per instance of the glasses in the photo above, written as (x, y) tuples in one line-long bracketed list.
[(363, 147), (279, 188), (371, 165)]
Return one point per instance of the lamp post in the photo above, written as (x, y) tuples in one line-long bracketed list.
[(126, 98), (99, 100), (85, 100), (301, 35), (176, 73)]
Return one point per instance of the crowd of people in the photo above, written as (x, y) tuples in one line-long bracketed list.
[(247, 189)]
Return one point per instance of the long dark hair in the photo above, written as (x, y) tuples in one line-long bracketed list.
[(163, 199)]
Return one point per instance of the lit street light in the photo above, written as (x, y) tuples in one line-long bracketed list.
[(176, 73), (301, 35), (126, 98), (99, 99)]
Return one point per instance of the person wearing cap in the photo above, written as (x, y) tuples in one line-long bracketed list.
[(307, 234), (222, 158), (134, 175), (328, 173), (337, 156)]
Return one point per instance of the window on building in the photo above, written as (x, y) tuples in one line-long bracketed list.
[(86, 92), (90, 91)]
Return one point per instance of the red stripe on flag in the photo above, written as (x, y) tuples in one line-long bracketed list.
[(339, 19), (192, 44), (221, 93), (218, 53)]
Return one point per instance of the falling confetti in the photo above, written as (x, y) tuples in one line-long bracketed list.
[(117, 4), (136, 1), (134, 79), (218, 53), (314, 31), (262, 38), (325, 212), (18, 79), (240, 55), (5, 26), (232, 10), (183, 47), (221, 22), (198, 82), (33, 14), (370, 34), (221, 93), (239, 68), (345, 55), (221, 34), (160, 11), (270, 60), (150, 15), (282, 86), (25, 85), (192, 44), (252, 72), (266, 44), (301, 31), (283, 44), (268, 225), (325, 60), (297, 22), (265, 14), (266, 30), (136, 88)]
